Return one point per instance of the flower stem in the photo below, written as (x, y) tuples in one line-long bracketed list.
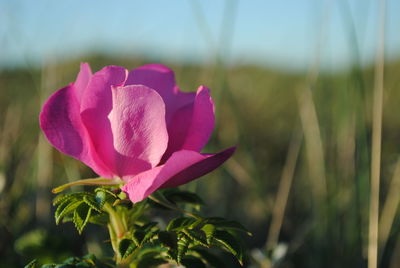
[(117, 230)]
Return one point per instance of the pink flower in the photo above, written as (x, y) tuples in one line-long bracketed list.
[(137, 126)]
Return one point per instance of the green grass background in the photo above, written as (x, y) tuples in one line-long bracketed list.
[(265, 113)]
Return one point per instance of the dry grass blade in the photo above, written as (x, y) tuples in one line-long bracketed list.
[(314, 145), (284, 189), (390, 208), (376, 143)]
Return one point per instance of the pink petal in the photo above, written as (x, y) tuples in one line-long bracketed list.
[(182, 167), (203, 120), (156, 76), (61, 123), (162, 79), (95, 107), (82, 80), (192, 125), (139, 130)]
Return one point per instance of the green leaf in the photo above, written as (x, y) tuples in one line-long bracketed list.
[(81, 217), (230, 243), (61, 198), (91, 202), (99, 219), (148, 226), (197, 236), (183, 245), (168, 239), (65, 208), (192, 262), (132, 247), (148, 236), (126, 247), (32, 264), (180, 223), (137, 237), (211, 259), (221, 223), (140, 237), (209, 230)]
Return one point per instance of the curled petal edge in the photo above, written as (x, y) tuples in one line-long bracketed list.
[(182, 167)]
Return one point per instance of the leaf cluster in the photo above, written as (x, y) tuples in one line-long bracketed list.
[(83, 207), (187, 239)]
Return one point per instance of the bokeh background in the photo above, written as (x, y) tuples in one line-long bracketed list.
[(293, 83)]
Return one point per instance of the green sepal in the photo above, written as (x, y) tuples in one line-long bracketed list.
[(93, 181)]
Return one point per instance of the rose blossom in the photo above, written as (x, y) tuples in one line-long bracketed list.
[(137, 126)]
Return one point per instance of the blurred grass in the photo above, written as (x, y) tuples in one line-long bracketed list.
[(324, 220)]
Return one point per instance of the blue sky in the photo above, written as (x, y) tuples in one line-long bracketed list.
[(284, 34)]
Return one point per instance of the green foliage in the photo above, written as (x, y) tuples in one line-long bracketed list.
[(186, 240), (83, 207)]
